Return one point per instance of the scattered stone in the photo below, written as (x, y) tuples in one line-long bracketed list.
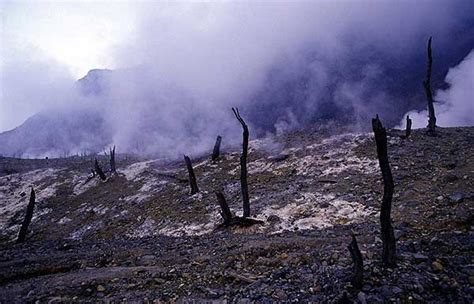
[(304, 266), (437, 266), (273, 219), (456, 198), (420, 257), (146, 260), (280, 294), (450, 178), (471, 280), (280, 157), (362, 298), (399, 233), (451, 165)]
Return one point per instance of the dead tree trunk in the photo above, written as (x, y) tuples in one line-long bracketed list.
[(358, 277), (217, 148), (388, 238), (429, 94), (99, 171), (229, 219), (28, 217), (243, 164), (408, 129), (225, 213), (112, 160), (192, 177)]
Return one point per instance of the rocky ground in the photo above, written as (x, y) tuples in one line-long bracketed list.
[(140, 236)]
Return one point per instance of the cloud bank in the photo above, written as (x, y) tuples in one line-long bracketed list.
[(284, 64)]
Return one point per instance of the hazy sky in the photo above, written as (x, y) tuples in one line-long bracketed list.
[(206, 57), (55, 43), (79, 34)]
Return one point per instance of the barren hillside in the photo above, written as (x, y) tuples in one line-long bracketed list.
[(140, 236)]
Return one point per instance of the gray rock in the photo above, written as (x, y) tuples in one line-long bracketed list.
[(399, 234), (362, 298), (274, 219), (456, 198), (279, 157), (386, 291), (420, 257), (449, 178), (146, 260)]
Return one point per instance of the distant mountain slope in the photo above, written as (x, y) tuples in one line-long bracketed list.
[(95, 82), (162, 117), (62, 132), (56, 134)]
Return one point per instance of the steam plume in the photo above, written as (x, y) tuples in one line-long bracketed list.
[(284, 64)]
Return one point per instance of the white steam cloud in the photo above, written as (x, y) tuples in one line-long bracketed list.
[(282, 63), (454, 107)]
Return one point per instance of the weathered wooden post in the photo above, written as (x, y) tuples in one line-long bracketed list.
[(99, 171), (217, 148), (358, 276), (408, 129), (112, 160), (243, 164), (28, 217), (388, 238), (429, 93), (192, 177), (225, 210)]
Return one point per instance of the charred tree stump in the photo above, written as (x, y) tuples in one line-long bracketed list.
[(408, 129), (243, 164), (192, 177), (429, 93), (358, 277), (229, 219), (217, 148), (99, 171), (225, 212), (112, 160), (388, 238), (28, 217)]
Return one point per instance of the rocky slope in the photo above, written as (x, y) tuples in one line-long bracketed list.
[(140, 236)]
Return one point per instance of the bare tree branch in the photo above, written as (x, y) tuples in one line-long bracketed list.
[(99, 171), (358, 277), (429, 93), (192, 177), (388, 238), (112, 160), (243, 164), (217, 148), (28, 217)]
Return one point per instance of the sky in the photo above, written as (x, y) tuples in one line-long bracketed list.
[(180, 66), (78, 34), (57, 40)]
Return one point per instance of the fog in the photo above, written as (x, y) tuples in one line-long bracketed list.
[(284, 64), (455, 105)]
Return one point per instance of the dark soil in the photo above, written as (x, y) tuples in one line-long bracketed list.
[(113, 259)]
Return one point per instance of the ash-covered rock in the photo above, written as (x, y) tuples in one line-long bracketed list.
[(140, 236)]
